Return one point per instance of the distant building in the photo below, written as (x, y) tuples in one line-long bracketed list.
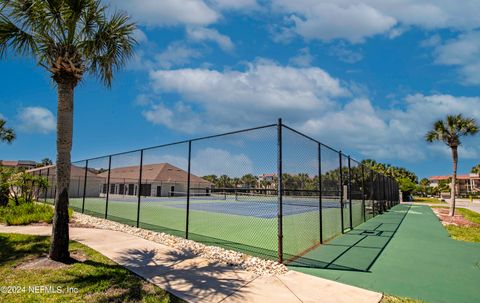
[(77, 176), (27, 164), (158, 180), (466, 184), (267, 177)]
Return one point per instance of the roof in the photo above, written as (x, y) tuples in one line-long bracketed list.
[(75, 172), (15, 163), (161, 172), (459, 177), (9, 163)]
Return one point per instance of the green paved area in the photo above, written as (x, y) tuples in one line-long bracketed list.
[(419, 260)]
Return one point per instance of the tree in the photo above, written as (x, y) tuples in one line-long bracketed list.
[(476, 169), (69, 38), (224, 181), (450, 131), (46, 162), (249, 181), (6, 134)]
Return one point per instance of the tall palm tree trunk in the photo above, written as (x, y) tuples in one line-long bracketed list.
[(60, 235), (454, 180)]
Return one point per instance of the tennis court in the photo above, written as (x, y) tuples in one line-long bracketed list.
[(246, 224), (268, 191)]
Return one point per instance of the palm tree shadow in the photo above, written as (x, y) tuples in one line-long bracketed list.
[(179, 273)]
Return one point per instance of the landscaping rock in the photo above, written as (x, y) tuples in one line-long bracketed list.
[(256, 265)]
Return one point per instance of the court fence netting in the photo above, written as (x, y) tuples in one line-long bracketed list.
[(268, 191)]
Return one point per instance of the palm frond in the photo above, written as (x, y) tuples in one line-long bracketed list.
[(68, 37)]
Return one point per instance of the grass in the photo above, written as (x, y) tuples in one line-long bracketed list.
[(428, 200), (462, 233), (470, 215), (393, 299), (26, 213), (97, 279)]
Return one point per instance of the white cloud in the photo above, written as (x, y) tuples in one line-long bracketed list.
[(331, 20), (205, 160), (176, 54), (355, 20), (221, 162), (268, 88), (238, 5), (308, 99), (304, 58), (168, 12), (200, 34), (463, 52), (140, 36), (36, 120), (344, 53)]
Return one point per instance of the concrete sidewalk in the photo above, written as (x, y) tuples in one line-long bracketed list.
[(195, 279), (473, 206)]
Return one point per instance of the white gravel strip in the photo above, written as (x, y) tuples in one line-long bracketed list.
[(256, 265)]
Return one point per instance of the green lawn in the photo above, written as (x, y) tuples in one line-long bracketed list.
[(428, 200), (470, 215), (95, 279), (392, 299), (463, 233)]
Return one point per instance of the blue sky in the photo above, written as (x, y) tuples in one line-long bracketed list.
[(368, 77)]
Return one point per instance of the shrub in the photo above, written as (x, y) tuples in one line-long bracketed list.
[(26, 213)]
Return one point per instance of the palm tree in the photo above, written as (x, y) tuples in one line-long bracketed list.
[(476, 169), (224, 181), (69, 38), (249, 181), (6, 134), (449, 131)]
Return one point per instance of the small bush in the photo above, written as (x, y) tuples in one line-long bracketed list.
[(27, 213)]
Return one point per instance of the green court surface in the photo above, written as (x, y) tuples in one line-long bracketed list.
[(246, 231), (405, 252)]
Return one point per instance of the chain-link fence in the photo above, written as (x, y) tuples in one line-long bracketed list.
[(269, 191)]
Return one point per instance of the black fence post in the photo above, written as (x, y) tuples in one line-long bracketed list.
[(139, 197), (372, 188), (349, 193), (320, 191), (363, 194), (385, 186), (48, 185), (187, 219), (280, 190), (341, 191), (84, 186), (108, 185)]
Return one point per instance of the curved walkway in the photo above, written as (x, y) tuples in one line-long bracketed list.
[(195, 279)]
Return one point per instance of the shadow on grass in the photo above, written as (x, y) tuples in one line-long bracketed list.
[(16, 247), (96, 278)]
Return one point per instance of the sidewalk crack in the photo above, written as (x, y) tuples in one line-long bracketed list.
[(288, 288)]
